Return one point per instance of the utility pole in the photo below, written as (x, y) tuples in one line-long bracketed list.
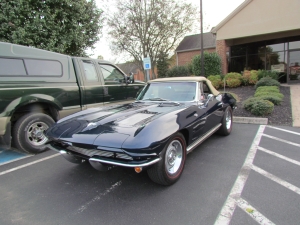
[(201, 35)]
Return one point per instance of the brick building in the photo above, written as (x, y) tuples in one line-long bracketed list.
[(191, 46)]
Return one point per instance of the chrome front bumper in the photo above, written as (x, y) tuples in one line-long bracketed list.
[(75, 157)]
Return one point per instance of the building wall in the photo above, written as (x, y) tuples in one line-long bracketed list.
[(260, 17), (221, 49), (185, 58)]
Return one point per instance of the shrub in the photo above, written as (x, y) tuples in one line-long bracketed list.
[(274, 99), (233, 79), (262, 107), (212, 64), (247, 104), (178, 71), (216, 81), (245, 77), (267, 73), (263, 93), (267, 81), (267, 89), (253, 77)]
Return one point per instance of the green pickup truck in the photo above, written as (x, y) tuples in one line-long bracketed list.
[(39, 87)]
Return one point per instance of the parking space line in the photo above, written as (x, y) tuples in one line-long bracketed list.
[(229, 206), (28, 164), (279, 156), (288, 131), (276, 179), (251, 211), (282, 140)]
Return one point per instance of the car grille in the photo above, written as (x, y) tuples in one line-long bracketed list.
[(93, 152)]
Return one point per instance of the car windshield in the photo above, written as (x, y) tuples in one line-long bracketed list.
[(169, 91)]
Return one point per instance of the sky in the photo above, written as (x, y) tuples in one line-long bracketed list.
[(214, 11)]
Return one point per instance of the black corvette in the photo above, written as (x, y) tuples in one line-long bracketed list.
[(169, 119)]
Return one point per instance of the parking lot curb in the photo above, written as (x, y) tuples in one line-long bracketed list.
[(250, 120)]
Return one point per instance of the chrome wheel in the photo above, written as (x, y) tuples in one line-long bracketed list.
[(228, 120), (173, 157), (35, 133)]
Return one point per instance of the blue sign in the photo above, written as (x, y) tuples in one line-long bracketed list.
[(147, 63)]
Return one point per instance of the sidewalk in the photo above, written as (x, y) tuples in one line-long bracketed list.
[(295, 102)]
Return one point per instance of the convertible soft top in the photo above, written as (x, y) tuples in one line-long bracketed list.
[(192, 78)]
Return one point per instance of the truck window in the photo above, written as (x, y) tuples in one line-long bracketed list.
[(12, 67), (36, 67), (111, 75), (89, 70)]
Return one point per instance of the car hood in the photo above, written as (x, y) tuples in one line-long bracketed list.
[(110, 126)]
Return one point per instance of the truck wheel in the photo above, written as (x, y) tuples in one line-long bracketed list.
[(28, 132), (226, 127), (169, 169)]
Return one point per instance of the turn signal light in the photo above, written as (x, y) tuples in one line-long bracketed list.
[(138, 169)]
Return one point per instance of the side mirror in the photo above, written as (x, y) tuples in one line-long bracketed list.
[(209, 97), (131, 78)]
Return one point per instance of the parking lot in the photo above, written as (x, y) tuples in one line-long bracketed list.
[(249, 177)]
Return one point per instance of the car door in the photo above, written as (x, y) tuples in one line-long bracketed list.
[(115, 86), (92, 87), (212, 107)]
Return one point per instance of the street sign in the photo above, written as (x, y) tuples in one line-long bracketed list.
[(147, 63)]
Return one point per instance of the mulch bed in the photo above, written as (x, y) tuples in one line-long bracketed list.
[(282, 114)]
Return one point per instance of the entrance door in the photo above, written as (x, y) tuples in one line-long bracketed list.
[(294, 65)]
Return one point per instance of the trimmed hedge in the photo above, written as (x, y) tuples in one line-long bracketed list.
[(212, 64), (267, 73), (267, 81), (249, 77), (233, 79), (216, 81), (267, 89), (258, 106)]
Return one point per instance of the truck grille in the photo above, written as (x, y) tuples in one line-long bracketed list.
[(93, 152)]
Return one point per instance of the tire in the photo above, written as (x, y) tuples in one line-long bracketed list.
[(169, 169), (226, 126), (28, 132)]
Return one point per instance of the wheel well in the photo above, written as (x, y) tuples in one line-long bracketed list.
[(34, 107), (185, 133)]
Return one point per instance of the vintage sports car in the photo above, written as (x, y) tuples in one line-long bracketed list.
[(169, 119)]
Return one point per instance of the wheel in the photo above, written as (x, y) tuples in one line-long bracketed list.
[(28, 132), (226, 126), (168, 170)]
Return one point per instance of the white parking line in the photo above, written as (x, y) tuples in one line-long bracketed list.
[(282, 140), (250, 210), (279, 156), (288, 131), (28, 164), (277, 179), (228, 209)]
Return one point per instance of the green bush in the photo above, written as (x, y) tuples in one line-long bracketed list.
[(233, 79), (262, 107), (267, 81), (212, 64), (247, 104), (178, 71), (267, 89), (267, 73), (249, 77), (216, 81), (263, 93), (253, 77)]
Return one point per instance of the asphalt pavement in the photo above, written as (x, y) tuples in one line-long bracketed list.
[(255, 170)]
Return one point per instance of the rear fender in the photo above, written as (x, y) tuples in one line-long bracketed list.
[(30, 99)]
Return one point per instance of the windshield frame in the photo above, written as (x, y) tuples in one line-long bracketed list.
[(142, 93)]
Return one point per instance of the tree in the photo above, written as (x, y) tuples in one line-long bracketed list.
[(212, 64), (149, 27), (63, 26), (162, 65)]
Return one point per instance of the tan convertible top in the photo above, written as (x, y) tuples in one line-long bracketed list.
[(193, 78)]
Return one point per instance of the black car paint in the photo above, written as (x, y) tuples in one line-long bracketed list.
[(138, 139)]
